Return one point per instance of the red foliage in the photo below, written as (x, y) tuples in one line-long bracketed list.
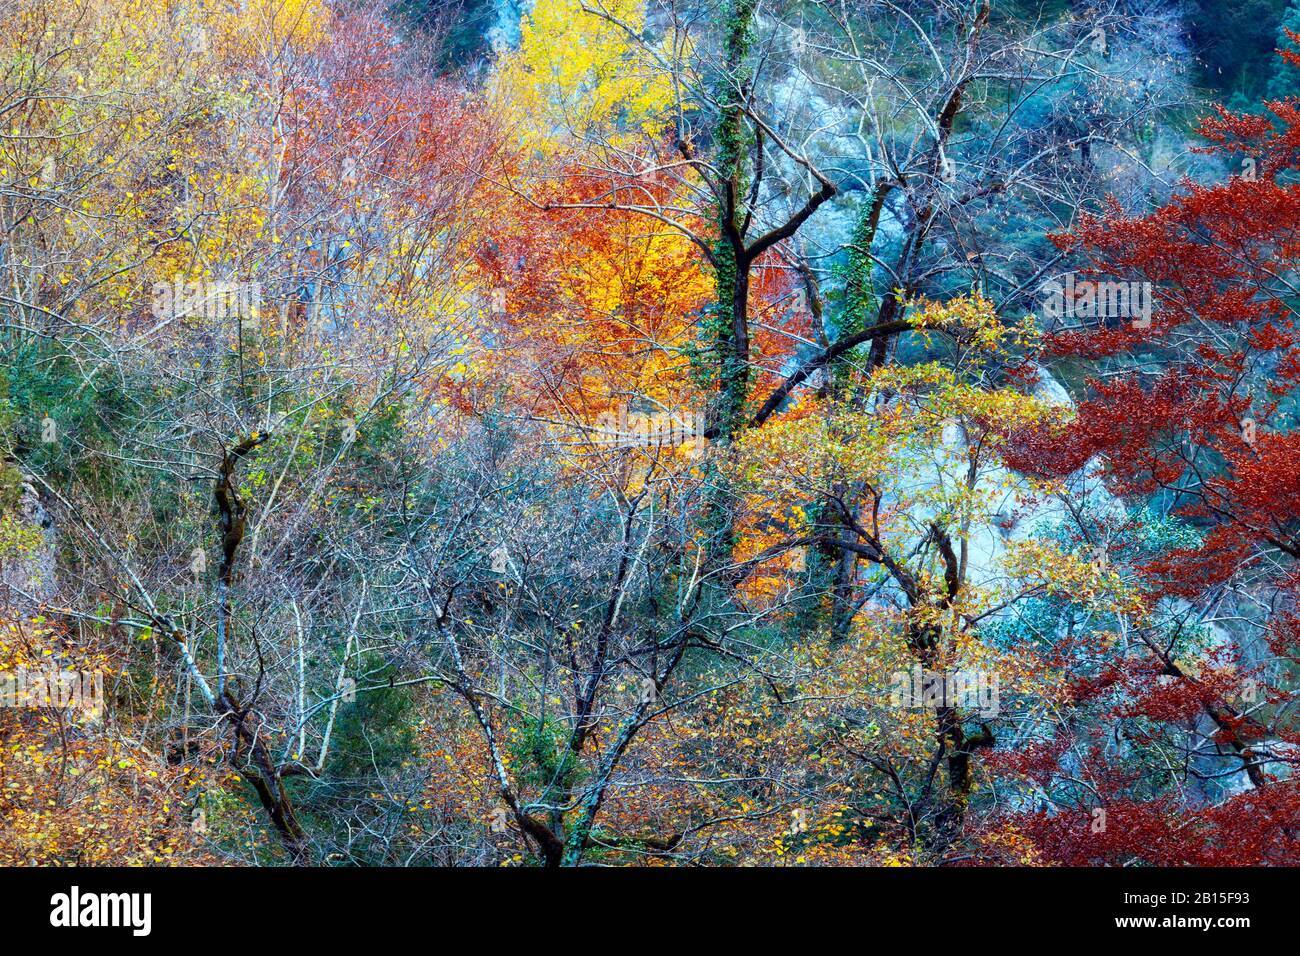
[(1210, 432), (1256, 828), (1208, 427)]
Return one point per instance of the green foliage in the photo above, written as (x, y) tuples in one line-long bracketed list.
[(1285, 80), (1235, 41), (53, 418), (541, 748), (374, 734), (859, 304), (458, 27)]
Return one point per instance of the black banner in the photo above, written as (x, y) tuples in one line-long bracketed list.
[(340, 907)]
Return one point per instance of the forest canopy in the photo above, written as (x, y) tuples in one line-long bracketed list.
[(620, 432)]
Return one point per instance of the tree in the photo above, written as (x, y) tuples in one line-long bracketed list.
[(1283, 83), (1195, 416)]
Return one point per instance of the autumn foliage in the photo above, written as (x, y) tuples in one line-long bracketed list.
[(633, 447)]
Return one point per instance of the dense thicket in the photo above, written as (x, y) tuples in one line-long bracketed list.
[(636, 433)]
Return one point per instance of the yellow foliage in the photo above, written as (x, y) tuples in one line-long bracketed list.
[(74, 789), (578, 75)]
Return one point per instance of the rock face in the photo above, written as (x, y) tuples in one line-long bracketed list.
[(28, 577)]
